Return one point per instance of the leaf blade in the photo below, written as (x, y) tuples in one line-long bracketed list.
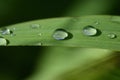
[(25, 35)]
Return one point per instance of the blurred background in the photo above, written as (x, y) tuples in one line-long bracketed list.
[(14, 11), (17, 63)]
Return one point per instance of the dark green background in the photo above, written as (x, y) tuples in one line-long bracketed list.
[(14, 11)]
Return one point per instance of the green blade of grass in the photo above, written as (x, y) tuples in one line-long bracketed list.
[(40, 32)]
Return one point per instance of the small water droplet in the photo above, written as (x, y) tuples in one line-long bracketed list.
[(35, 26), (60, 34), (3, 42), (112, 36), (90, 31), (6, 31)]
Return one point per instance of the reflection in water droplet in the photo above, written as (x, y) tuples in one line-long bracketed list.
[(89, 31), (6, 31), (60, 34), (35, 26), (3, 42), (112, 36)]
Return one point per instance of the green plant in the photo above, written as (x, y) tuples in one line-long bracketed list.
[(84, 46), (41, 32)]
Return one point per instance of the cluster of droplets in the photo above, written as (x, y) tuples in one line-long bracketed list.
[(90, 31), (6, 31), (58, 34), (3, 32), (61, 34)]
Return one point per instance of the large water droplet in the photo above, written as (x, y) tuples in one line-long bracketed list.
[(6, 31), (3, 42), (90, 31), (112, 35), (35, 26), (60, 34)]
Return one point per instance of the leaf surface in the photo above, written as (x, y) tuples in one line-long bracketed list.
[(40, 32)]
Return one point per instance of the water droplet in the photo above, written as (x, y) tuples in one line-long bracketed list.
[(6, 31), (60, 34), (3, 42), (112, 36), (90, 31), (35, 26)]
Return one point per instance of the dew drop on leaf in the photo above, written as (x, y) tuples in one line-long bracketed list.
[(3, 42), (112, 35), (90, 31), (35, 26), (6, 31), (60, 34)]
